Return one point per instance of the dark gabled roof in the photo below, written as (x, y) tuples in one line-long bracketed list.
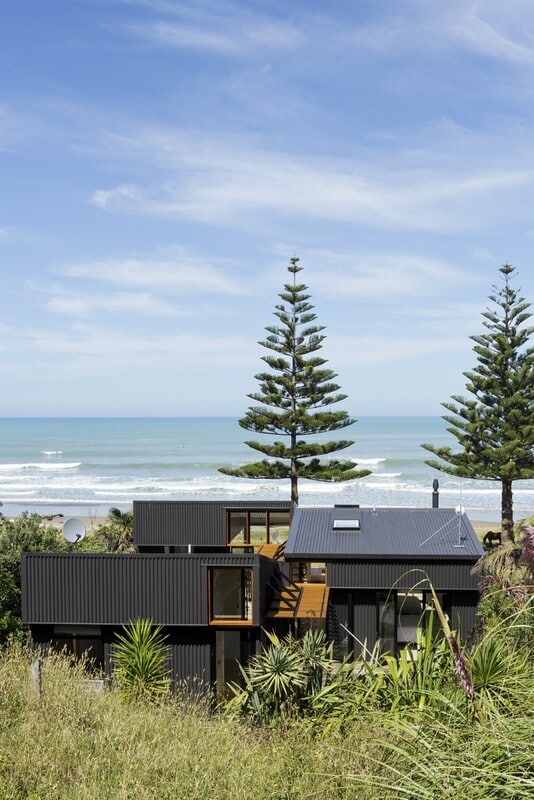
[(434, 533)]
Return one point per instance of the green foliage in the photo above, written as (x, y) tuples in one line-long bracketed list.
[(295, 397), (445, 759), (507, 589), (432, 677), (500, 673), (68, 742), (116, 534), (495, 426), (25, 533), (10, 622), (281, 681), (415, 678), (299, 678), (140, 659)]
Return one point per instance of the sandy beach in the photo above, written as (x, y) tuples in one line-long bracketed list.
[(93, 521)]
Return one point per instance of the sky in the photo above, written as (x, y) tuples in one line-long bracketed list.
[(161, 161)]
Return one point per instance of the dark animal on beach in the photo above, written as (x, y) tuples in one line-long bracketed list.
[(492, 538)]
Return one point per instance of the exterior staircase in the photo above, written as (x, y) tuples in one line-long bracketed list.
[(313, 601), (299, 601), (275, 551)]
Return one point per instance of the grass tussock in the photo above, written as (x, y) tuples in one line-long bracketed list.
[(63, 743)]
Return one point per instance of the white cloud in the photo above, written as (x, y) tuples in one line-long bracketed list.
[(368, 351), (241, 188), (500, 31), (453, 181), (223, 28), (381, 275), (107, 197), (79, 305), (183, 274), (103, 348)]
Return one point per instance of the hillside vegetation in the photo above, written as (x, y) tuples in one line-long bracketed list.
[(62, 741), (455, 723)]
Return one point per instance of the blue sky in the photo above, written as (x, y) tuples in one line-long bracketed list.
[(161, 161)]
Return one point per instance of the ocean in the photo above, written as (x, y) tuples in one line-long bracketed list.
[(85, 466)]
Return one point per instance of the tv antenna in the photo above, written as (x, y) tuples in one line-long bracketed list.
[(460, 511)]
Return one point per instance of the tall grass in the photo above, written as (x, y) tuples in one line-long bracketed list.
[(64, 743)]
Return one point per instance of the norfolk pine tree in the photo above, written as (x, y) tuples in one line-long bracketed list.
[(495, 427), (295, 398)]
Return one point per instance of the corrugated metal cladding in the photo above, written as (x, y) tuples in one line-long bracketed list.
[(463, 611), (190, 658), (106, 589), (384, 574), (352, 612), (364, 619), (416, 532), (160, 523)]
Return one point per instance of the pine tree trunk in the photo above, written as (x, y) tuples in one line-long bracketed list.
[(294, 478), (293, 436), (294, 490), (507, 512)]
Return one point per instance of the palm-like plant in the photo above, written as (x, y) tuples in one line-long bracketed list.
[(282, 680), (140, 658), (117, 531)]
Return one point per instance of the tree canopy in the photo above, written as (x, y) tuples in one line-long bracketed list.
[(24, 534), (295, 399), (495, 425)]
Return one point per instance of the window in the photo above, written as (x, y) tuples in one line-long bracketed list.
[(400, 616), (253, 528), (346, 525), (230, 594), (80, 641), (237, 526)]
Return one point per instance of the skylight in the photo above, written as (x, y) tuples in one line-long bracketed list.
[(346, 525)]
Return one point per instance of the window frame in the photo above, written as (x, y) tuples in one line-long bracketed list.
[(247, 544), (78, 641), (246, 599), (394, 601)]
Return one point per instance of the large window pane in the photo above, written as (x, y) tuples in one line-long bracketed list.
[(278, 526), (258, 527), (410, 611), (231, 591), (237, 527)]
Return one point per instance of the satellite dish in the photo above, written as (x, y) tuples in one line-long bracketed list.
[(73, 530), (460, 510)]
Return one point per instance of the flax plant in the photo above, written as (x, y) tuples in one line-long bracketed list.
[(140, 658)]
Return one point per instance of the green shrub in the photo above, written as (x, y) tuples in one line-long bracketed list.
[(140, 659)]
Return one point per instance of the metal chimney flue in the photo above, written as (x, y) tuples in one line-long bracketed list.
[(435, 493)]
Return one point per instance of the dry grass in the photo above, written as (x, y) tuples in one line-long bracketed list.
[(64, 744)]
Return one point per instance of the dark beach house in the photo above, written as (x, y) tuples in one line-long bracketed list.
[(217, 575)]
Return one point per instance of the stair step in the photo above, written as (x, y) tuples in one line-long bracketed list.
[(310, 602)]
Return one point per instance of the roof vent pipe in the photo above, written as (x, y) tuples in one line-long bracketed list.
[(435, 493)]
